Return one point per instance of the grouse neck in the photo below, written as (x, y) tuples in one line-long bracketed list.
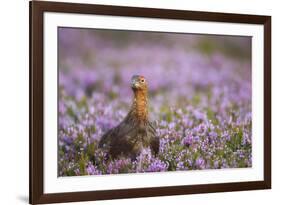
[(140, 104)]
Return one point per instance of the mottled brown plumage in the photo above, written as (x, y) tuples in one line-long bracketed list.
[(135, 132)]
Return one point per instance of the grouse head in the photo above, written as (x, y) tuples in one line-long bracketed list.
[(138, 83)]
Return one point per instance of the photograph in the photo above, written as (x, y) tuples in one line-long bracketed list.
[(133, 102)]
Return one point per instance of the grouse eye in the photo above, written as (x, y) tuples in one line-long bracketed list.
[(142, 80)]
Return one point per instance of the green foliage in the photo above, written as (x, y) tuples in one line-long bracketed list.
[(82, 162)]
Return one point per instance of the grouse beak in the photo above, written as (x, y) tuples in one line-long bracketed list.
[(135, 84)]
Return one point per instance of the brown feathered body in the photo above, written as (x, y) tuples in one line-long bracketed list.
[(135, 132)]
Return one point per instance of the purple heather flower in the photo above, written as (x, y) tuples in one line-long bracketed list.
[(62, 107), (172, 125), (92, 170), (187, 140), (196, 138), (118, 166), (199, 115), (67, 140), (216, 164), (200, 163), (180, 166), (213, 134), (157, 166)]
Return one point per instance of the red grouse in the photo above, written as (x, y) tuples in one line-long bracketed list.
[(135, 132)]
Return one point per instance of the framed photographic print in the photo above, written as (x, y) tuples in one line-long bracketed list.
[(136, 102)]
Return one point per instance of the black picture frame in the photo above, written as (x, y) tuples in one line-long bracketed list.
[(37, 9)]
